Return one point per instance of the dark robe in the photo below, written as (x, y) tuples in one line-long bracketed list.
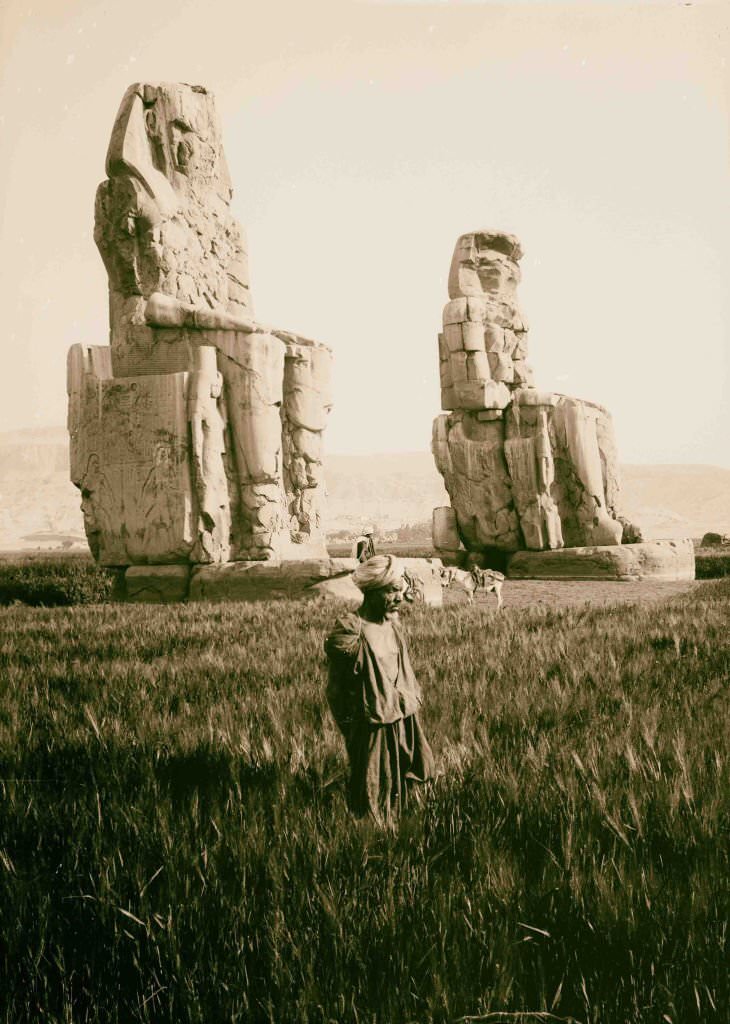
[(365, 549), (374, 697)]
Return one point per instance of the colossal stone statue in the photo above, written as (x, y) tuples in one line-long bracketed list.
[(196, 436), (524, 469)]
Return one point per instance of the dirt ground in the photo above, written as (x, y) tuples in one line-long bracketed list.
[(563, 593)]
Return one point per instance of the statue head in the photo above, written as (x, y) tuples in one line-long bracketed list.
[(167, 136), (484, 262)]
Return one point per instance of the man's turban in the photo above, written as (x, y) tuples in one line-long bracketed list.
[(378, 571)]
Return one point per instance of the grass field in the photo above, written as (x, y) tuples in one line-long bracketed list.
[(174, 845), (51, 579)]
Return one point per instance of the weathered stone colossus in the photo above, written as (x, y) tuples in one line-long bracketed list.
[(196, 436), (523, 469)]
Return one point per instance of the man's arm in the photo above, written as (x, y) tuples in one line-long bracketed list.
[(343, 647), (345, 639)]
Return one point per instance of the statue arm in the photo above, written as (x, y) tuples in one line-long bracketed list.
[(166, 311)]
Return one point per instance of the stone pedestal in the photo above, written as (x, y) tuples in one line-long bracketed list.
[(341, 588), (156, 584), (658, 560), (258, 581), (264, 581)]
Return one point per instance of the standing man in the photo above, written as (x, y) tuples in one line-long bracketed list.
[(364, 546), (374, 695)]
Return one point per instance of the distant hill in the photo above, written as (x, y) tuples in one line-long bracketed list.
[(36, 497), (673, 500), (389, 490)]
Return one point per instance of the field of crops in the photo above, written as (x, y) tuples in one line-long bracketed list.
[(174, 845)]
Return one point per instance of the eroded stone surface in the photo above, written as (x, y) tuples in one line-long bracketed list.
[(339, 587), (524, 469), (258, 581), (163, 222), (660, 559), (484, 332), (131, 460), (243, 432), (156, 584)]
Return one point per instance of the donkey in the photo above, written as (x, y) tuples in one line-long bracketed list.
[(488, 580)]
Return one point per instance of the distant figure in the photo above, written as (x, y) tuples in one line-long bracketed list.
[(374, 695), (364, 546)]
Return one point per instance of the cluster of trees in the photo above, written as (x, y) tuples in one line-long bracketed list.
[(408, 533), (414, 533)]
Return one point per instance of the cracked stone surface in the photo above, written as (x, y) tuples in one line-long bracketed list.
[(672, 560), (524, 469), (196, 435)]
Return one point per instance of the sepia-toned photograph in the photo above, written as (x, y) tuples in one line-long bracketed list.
[(365, 512)]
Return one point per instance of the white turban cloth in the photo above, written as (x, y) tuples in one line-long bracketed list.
[(378, 571)]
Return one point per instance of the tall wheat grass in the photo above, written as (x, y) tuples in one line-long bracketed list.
[(174, 845)]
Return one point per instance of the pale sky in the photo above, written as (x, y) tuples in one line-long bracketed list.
[(362, 139)]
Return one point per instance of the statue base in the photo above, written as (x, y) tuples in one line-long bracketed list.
[(261, 581), (650, 560), (341, 588)]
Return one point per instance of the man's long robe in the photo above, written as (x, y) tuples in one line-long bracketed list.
[(374, 697)]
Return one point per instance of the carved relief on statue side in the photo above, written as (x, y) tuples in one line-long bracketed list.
[(553, 533), (206, 415)]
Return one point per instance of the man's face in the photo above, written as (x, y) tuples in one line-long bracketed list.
[(389, 598)]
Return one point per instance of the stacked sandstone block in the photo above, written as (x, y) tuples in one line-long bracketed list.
[(196, 436), (483, 346)]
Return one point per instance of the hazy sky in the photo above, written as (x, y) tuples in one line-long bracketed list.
[(363, 138)]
